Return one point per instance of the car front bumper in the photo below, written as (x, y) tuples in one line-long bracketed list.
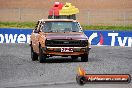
[(57, 51)]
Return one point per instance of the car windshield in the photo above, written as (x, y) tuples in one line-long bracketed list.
[(61, 27)]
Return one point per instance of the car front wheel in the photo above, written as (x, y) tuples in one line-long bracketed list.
[(42, 57), (34, 56), (84, 58)]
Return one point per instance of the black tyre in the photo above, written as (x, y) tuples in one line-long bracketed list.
[(42, 57), (74, 57), (84, 58), (34, 56)]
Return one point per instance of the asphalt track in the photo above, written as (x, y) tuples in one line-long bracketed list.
[(18, 71)]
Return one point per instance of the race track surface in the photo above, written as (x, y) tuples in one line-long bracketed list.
[(18, 71)]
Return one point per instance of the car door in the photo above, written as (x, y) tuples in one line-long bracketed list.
[(35, 38)]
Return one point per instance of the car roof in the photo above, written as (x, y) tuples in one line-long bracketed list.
[(71, 20)]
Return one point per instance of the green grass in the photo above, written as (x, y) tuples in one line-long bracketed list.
[(86, 27), (17, 24), (118, 28)]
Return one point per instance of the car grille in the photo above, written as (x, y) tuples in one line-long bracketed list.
[(67, 43)]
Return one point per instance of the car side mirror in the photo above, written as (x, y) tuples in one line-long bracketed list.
[(36, 31)]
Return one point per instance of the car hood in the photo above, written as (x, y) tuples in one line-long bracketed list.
[(74, 36)]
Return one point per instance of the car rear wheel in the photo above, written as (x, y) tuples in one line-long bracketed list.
[(84, 58), (74, 57), (42, 57), (34, 56)]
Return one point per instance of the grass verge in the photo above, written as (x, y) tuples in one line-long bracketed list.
[(86, 27), (118, 28), (17, 24)]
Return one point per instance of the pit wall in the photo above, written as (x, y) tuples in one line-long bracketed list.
[(96, 37)]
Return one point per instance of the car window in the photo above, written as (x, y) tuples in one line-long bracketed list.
[(61, 27)]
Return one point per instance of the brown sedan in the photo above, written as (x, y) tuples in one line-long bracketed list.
[(59, 37)]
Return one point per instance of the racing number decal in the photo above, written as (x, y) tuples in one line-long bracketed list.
[(66, 49)]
